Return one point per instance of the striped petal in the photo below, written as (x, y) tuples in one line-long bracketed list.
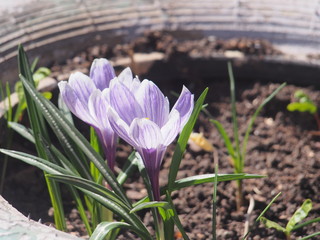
[(153, 102), (184, 106), (145, 133), (101, 72)]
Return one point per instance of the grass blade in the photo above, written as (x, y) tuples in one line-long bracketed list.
[(254, 116), (225, 138), (234, 116), (104, 228)]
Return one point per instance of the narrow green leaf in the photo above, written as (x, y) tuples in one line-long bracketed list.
[(225, 138), (22, 130), (314, 220), (34, 64), (174, 215), (183, 140), (81, 210), (9, 108), (310, 236), (271, 224), (41, 163), (237, 160), (104, 228), (253, 118), (300, 214), (146, 205), (267, 207), (204, 178), (214, 202), (209, 178), (130, 166)]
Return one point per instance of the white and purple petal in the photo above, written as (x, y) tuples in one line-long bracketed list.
[(120, 127), (172, 128), (102, 72), (153, 102), (145, 133), (74, 103), (184, 106), (82, 86), (124, 103)]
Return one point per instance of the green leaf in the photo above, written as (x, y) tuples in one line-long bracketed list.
[(238, 160), (171, 211), (301, 96), (145, 205), (302, 107), (271, 224), (22, 130), (209, 178), (130, 166), (183, 140), (252, 120), (104, 228), (310, 236), (40, 74), (300, 214), (314, 220), (47, 95), (267, 207), (41, 163), (225, 138)]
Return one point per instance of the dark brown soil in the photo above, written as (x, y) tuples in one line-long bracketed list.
[(280, 147)]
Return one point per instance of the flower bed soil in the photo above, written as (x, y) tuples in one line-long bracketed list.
[(280, 147)]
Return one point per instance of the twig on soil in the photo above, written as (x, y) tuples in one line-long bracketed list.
[(248, 215)]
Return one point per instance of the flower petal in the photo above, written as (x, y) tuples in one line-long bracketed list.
[(120, 127), (126, 77), (172, 128), (76, 106), (146, 133), (97, 106), (82, 85), (153, 102), (101, 72), (124, 102), (184, 106)]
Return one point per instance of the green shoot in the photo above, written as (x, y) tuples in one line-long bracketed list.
[(238, 150), (304, 104), (292, 225)]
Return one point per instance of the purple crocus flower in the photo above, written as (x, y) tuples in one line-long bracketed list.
[(140, 115), (88, 99)]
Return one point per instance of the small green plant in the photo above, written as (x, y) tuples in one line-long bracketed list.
[(237, 150), (14, 115), (304, 104), (292, 225)]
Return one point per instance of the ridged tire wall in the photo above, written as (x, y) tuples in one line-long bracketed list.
[(55, 29)]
